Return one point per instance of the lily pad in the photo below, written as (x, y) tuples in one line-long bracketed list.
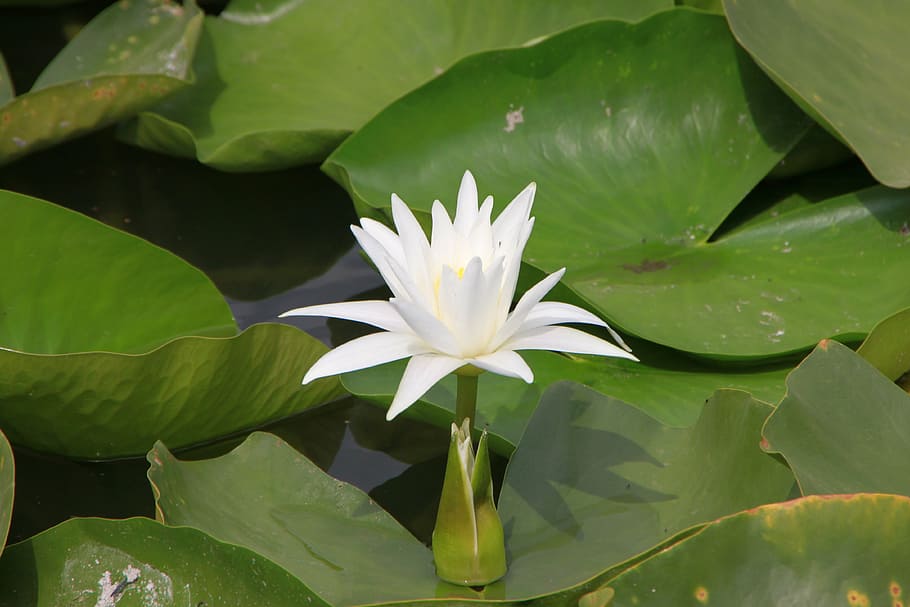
[(140, 562), (128, 58), (595, 482), (349, 60), (831, 550), (844, 62), (7, 488), (887, 347), (632, 484), (108, 343), (72, 284), (842, 426), (631, 188), (100, 405), (667, 386)]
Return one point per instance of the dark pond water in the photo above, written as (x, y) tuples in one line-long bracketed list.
[(270, 242)]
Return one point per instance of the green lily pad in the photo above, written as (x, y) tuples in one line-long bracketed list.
[(128, 58), (595, 482), (844, 62), (842, 426), (108, 343), (7, 488), (831, 550), (887, 347), (140, 562), (349, 60), (632, 484), (667, 386), (100, 405), (72, 284), (631, 187)]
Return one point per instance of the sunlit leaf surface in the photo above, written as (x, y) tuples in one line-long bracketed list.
[(283, 83), (636, 169)]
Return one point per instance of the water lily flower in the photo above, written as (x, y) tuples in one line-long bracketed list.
[(452, 296), (468, 540)]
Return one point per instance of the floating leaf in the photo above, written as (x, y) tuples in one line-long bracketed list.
[(887, 347), (665, 385), (7, 488), (140, 562), (842, 426), (595, 482), (830, 550), (279, 504), (632, 484), (349, 60), (129, 57), (845, 63), (72, 284), (100, 405), (631, 188)]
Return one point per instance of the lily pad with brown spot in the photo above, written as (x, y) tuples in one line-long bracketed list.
[(819, 550), (131, 56)]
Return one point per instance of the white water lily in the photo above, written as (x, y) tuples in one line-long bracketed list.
[(452, 296)]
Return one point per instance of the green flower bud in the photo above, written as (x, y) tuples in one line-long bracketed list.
[(468, 542)]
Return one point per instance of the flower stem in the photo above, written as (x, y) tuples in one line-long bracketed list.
[(466, 398)]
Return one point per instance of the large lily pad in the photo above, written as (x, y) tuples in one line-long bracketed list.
[(100, 405), (832, 550), (107, 343), (845, 63), (632, 186), (129, 57), (595, 482), (283, 83), (72, 284), (140, 562), (7, 488), (842, 426), (632, 483), (667, 386)]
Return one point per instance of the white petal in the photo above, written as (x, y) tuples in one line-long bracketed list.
[(380, 314), (466, 209), (415, 246), (381, 259), (555, 312), (504, 362), (524, 306), (508, 226), (429, 328), (513, 266), (385, 237), (363, 352), (469, 309), (420, 375), (443, 235), (564, 339)]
